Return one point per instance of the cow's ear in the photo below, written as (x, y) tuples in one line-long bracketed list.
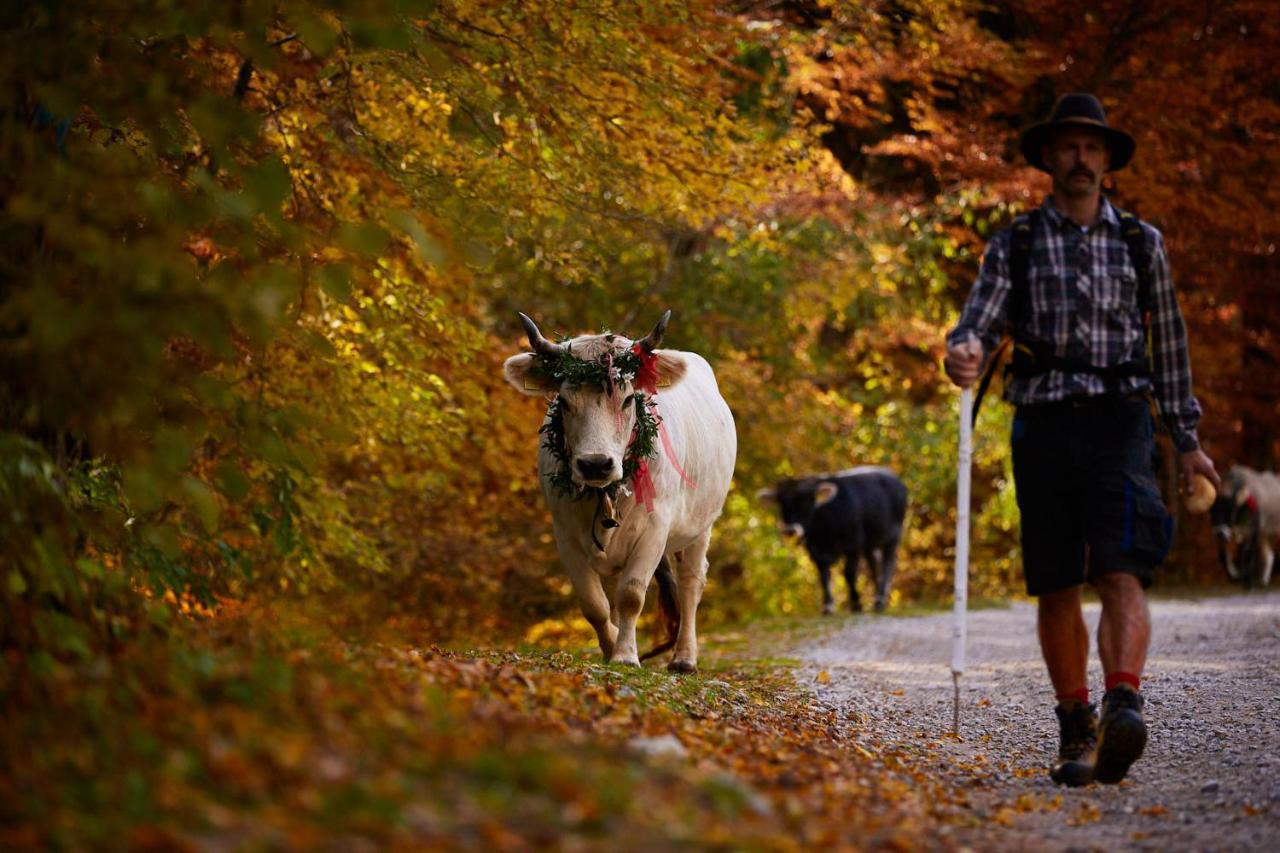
[(824, 493), (671, 367), (767, 496), (523, 374)]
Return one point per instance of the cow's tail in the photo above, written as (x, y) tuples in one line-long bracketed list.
[(668, 609)]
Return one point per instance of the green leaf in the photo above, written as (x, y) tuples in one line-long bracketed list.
[(315, 32), (17, 583), (429, 248), (392, 36), (318, 343), (142, 488), (274, 288), (335, 280), (232, 482), (364, 238), (89, 568), (173, 449), (203, 502), (268, 185)]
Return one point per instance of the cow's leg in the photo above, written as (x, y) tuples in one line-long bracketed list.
[(629, 596), (1267, 558), (691, 577), (888, 565), (594, 604), (1249, 554), (851, 561), (824, 579)]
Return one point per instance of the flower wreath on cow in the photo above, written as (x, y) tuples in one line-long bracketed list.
[(610, 372)]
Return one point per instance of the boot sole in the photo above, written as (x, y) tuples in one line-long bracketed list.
[(1120, 743), (1073, 774)]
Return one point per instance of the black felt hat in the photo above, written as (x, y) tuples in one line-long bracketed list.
[(1078, 109)]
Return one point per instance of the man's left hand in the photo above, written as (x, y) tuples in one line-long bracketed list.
[(1196, 462)]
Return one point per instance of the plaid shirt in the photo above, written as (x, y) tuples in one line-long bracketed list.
[(1083, 301)]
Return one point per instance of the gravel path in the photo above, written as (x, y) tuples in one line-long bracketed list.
[(1210, 778)]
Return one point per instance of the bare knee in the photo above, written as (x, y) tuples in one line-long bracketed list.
[(1118, 587), (1053, 603)]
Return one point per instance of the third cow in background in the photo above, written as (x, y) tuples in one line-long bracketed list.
[(1246, 518), (851, 515)]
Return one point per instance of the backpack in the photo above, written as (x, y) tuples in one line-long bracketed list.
[(1032, 356)]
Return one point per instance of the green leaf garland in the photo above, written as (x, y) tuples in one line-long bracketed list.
[(565, 367)]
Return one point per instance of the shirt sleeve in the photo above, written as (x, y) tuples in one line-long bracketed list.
[(1171, 360), (985, 312)]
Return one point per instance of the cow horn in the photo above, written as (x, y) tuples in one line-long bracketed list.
[(540, 344), (653, 340)]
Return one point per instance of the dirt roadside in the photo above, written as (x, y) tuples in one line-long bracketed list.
[(1210, 779)]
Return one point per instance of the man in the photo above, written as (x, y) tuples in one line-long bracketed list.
[(1073, 283)]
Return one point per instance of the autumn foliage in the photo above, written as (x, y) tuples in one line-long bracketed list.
[(262, 262)]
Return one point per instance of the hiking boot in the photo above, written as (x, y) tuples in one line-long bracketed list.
[(1076, 748), (1121, 735)]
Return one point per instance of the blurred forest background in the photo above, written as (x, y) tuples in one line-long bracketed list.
[(261, 263)]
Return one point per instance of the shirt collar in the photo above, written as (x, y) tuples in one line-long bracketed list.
[(1106, 213)]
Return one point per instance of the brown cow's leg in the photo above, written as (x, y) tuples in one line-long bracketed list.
[(691, 577)]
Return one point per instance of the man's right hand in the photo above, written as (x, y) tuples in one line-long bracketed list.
[(964, 362)]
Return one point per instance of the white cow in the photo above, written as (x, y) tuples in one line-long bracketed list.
[(609, 541)]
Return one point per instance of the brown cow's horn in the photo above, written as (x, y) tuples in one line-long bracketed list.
[(653, 340), (536, 340)]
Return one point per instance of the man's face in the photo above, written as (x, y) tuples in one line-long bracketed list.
[(1077, 158)]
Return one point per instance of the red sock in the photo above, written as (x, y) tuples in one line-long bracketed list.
[(1115, 678), (1081, 694)]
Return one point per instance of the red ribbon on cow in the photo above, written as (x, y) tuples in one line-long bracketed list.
[(1252, 503), (666, 445), (647, 381), (645, 492), (647, 375)]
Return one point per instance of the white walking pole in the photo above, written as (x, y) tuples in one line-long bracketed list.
[(958, 628)]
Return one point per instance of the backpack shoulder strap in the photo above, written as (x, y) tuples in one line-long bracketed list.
[(1132, 233), (1019, 300), (1021, 234)]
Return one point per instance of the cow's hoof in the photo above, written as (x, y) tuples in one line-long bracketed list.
[(828, 609), (880, 606), (683, 667)]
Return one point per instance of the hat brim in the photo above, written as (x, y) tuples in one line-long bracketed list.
[(1120, 144)]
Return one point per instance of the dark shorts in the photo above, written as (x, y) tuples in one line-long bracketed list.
[(1087, 491)]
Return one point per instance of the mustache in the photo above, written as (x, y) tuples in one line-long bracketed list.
[(1081, 170)]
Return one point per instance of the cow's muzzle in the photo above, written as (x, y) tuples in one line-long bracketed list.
[(796, 530), (596, 469)]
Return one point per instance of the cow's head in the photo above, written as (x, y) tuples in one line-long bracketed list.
[(598, 416), (797, 500), (1232, 515)]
